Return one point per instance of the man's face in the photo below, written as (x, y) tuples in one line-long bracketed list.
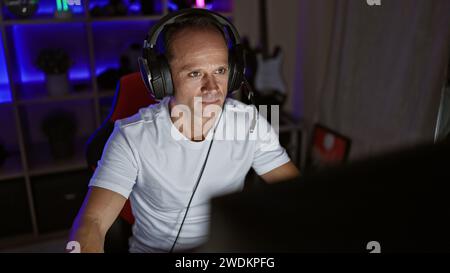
[(199, 68)]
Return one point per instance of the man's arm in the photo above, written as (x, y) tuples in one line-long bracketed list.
[(100, 209), (284, 172)]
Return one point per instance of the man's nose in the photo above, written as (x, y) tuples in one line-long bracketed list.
[(209, 84)]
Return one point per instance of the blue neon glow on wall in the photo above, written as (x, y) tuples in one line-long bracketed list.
[(158, 6), (172, 6), (71, 37), (100, 3), (104, 66), (5, 94), (3, 75), (77, 9), (135, 7)]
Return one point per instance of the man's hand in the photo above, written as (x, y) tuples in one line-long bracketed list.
[(284, 172)]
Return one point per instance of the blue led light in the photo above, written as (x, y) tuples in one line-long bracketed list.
[(172, 6), (53, 36), (77, 9), (135, 7), (5, 94), (3, 75), (102, 67), (100, 3)]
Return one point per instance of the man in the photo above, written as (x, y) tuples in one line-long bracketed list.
[(156, 157)]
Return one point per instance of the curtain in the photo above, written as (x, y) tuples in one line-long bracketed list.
[(372, 73)]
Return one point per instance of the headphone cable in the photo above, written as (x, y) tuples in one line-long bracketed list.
[(198, 181), (250, 96)]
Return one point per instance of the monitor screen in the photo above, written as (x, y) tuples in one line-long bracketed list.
[(398, 202)]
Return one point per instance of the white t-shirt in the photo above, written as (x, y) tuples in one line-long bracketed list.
[(148, 160)]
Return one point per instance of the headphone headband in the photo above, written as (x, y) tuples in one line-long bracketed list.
[(154, 32)]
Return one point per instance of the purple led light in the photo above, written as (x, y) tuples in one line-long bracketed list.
[(200, 3)]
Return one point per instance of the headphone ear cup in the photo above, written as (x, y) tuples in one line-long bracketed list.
[(145, 73), (166, 75), (161, 78), (236, 63)]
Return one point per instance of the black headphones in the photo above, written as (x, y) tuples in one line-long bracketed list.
[(154, 67)]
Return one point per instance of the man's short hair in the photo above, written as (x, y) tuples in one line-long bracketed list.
[(195, 21)]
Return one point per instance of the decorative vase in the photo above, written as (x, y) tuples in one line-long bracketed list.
[(57, 84)]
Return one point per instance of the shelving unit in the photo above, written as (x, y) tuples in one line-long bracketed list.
[(35, 188)]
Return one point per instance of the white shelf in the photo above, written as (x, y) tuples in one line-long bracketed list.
[(42, 162), (124, 18), (44, 21), (36, 92), (69, 97)]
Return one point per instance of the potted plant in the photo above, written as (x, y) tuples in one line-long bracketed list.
[(60, 127), (55, 63)]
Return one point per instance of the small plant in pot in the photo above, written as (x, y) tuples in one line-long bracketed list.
[(60, 128), (55, 63)]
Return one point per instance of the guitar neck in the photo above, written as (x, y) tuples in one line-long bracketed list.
[(264, 39)]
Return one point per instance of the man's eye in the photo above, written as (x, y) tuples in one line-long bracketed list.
[(194, 74), (221, 70)]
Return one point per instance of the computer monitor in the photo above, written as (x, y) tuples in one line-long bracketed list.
[(398, 202)]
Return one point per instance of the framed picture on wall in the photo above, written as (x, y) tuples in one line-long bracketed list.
[(327, 147)]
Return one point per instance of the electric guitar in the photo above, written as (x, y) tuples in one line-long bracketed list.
[(268, 80)]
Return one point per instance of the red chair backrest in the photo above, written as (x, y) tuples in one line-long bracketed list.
[(131, 95)]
